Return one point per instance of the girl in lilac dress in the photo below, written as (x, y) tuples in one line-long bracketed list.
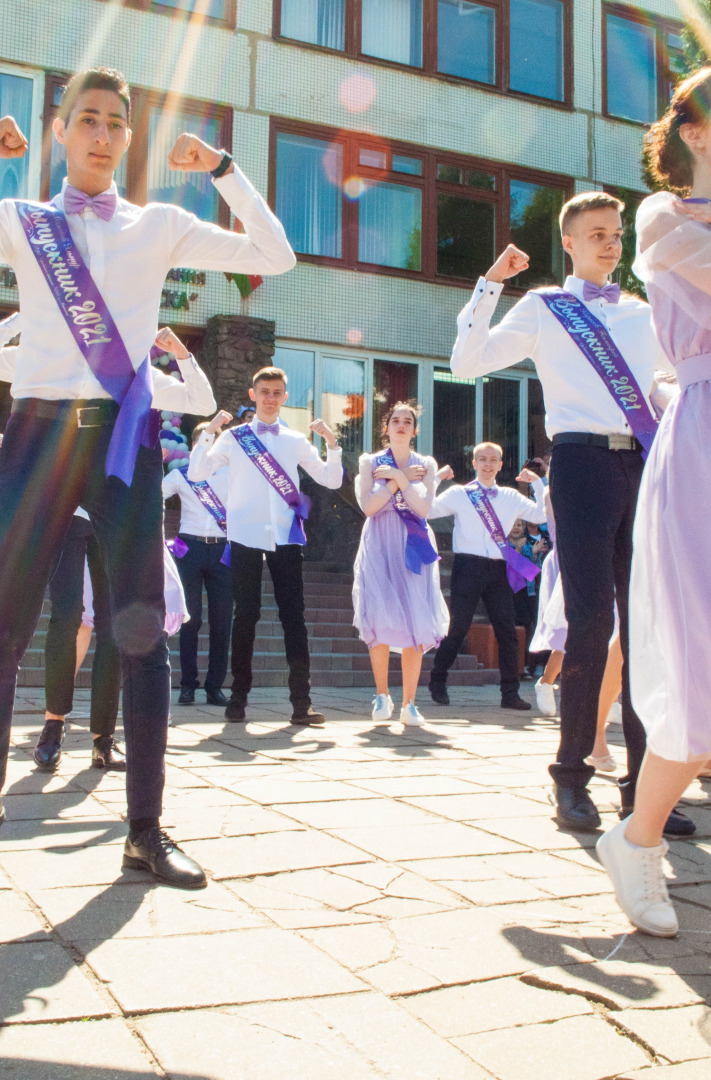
[(396, 607), (670, 593)]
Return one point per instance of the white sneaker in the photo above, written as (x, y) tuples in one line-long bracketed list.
[(639, 882), (382, 707), (545, 698), (411, 716)]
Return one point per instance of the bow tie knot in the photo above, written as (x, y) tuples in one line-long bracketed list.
[(610, 292), (103, 205), (263, 428)]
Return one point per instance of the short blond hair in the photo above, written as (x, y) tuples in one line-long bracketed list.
[(488, 446), (587, 200)]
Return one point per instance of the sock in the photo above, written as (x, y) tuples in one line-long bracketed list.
[(139, 825)]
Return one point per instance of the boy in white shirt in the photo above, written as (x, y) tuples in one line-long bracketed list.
[(265, 514)]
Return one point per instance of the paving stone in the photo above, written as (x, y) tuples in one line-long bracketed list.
[(356, 812), (406, 786), (40, 981), (215, 969), (475, 807), (676, 1034), (363, 1037), (625, 985), (584, 1047), (690, 1070), (423, 841), (215, 821), (268, 853), (490, 1006), (65, 835), (268, 792), (96, 865), (18, 921), (100, 1050), (48, 805)]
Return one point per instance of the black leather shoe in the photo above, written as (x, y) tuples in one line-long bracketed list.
[(187, 696), (235, 710), (48, 752), (154, 850), (575, 809), (216, 697), (515, 702), (678, 824), (105, 754), (309, 716), (439, 694)]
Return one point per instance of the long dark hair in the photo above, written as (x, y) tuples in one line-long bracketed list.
[(668, 161), (411, 406)]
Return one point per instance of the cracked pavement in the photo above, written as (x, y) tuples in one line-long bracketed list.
[(383, 903)]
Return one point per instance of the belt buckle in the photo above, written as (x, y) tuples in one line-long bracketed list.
[(619, 442), (88, 409)]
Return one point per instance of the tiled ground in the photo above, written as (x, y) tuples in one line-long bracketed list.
[(382, 904)]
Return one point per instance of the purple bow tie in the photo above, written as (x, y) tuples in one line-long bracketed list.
[(611, 293), (104, 205), (262, 429), (490, 492)]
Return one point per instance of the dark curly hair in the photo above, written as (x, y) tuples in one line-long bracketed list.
[(413, 407), (668, 161)]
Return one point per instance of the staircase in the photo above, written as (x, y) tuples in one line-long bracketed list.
[(338, 656)]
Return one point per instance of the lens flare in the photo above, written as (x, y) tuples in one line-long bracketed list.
[(354, 187), (357, 93), (354, 336)]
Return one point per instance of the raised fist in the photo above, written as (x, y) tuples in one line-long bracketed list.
[(511, 261), (12, 142), (193, 155)]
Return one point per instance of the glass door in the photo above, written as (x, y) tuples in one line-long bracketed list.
[(392, 381)]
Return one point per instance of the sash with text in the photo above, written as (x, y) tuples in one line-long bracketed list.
[(519, 569), (418, 546), (273, 473)]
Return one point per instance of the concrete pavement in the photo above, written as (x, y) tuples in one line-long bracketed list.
[(382, 904)]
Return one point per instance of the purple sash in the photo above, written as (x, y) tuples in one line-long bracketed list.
[(519, 569), (596, 345), (418, 546), (272, 471), (85, 312), (210, 501)]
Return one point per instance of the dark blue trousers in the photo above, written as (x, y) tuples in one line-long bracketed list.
[(201, 566), (49, 467)]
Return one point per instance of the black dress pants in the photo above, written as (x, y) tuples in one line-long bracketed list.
[(199, 566), (66, 591), (49, 467), (286, 568), (475, 578), (594, 495)]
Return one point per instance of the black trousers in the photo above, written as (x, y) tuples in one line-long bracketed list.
[(286, 568), (475, 578), (66, 590), (47, 469), (594, 495), (201, 566)]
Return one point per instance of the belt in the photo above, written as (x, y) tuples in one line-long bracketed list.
[(92, 412), (203, 539), (608, 442)]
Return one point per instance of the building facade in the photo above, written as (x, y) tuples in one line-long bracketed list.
[(402, 143)]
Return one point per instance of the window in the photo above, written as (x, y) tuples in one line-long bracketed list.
[(455, 432), (522, 46), (144, 176), (17, 89), (343, 403), (298, 364), (642, 59), (217, 12), (362, 203), (501, 421)]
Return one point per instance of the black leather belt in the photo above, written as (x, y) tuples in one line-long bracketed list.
[(92, 412), (608, 442), (203, 539)]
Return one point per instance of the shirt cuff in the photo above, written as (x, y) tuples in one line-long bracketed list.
[(207, 438), (334, 451)]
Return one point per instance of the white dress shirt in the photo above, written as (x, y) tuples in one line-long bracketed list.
[(196, 519), (257, 516), (129, 258), (575, 396), (471, 536)]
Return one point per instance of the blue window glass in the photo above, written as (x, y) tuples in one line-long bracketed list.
[(309, 178), (343, 403), (392, 30), (390, 226), (15, 100), (537, 48), (534, 228), (631, 70), (193, 191), (299, 367), (320, 22), (466, 40)]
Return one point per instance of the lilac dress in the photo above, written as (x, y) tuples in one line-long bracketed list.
[(392, 605), (670, 592), (552, 626)]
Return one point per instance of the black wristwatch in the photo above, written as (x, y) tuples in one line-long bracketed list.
[(223, 166)]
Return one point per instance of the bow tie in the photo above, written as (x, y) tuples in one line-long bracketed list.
[(104, 205), (262, 429), (490, 492), (611, 293)]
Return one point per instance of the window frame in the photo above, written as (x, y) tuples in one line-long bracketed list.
[(353, 141), (34, 135), (155, 7), (142, 101), (429, 49), (661, 27)]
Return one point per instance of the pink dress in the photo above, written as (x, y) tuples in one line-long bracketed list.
[(552, 626), (670, 592), (392, 605)]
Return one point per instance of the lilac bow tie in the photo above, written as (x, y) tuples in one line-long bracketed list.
[(611, 293), (262, 429), (104, 205)]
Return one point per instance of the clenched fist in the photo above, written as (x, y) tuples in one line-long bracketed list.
[(12, 142), (511, 261), (193, 155)]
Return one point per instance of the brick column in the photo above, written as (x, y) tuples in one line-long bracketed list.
[(235, 346)]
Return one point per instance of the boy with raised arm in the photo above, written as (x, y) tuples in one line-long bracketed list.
[(90, 268)]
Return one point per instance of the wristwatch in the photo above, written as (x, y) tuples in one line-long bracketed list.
[(223, 166)]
